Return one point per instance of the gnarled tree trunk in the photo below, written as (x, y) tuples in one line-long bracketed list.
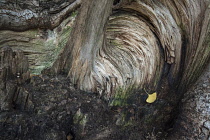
[(136, 45), (123, 50)]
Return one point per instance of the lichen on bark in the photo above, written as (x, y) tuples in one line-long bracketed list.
[(39, 45)]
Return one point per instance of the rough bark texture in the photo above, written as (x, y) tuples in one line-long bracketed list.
[(13, 72), (87, 37), (41, 46), (194, 119), (119, 49), (139, 36), (22, 15), (193, 18)]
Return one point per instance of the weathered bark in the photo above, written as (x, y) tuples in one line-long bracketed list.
[(23, 15), (140, 36), (193, 122), (41, 46), (130, 54), (193, 18), (171, 26), (119, 48), (14, 65), (13, 72), (80, 53)]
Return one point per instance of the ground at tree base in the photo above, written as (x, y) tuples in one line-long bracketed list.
[(50, 108)]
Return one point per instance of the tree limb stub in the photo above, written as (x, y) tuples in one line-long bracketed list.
[(13, 65), (24, 19)]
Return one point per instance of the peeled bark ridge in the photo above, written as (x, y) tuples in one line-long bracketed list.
[(136, 43)]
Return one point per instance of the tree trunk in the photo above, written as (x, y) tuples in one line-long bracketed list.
[(158, 45), (79, 54), (193, 121), (123, 50), (138, 36)]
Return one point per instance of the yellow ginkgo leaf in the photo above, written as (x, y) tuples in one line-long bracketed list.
[(151, 97)]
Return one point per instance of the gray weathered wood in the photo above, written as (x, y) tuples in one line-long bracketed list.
[(35, 14), (14, 71), (158, 30)]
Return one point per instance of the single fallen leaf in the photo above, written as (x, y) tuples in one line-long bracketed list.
[(151, 97)]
